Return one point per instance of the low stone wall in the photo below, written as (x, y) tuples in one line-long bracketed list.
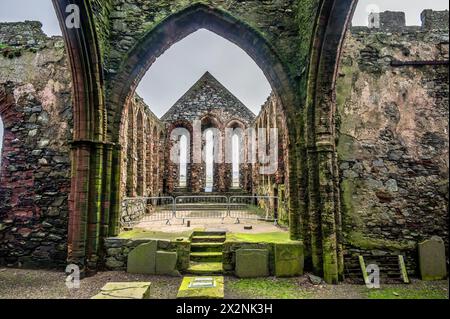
[(410, 255), (117, 250)]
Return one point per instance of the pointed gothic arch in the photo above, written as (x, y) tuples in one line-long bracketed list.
[(307, 94)]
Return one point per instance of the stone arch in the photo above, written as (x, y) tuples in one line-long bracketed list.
[(307, 96), (239, 129), (211, 125), (179, 25), (323, 236), (172, 169)]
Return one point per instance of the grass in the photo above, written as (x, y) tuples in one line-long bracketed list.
[(266, 288), (141, 234), (406, 292), (272, 237)]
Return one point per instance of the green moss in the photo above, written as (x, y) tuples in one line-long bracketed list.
[(271, 288), (359, 240), (272, 237), (141, 233), (405, 292), (216, 292)]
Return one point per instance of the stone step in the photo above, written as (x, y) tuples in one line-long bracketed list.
[(208, 239), (209, 233), (209, 268), (205, 257), (207, 247)]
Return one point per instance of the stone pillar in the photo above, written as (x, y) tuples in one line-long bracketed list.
[(78, 203), (116, 194), (149, 162)]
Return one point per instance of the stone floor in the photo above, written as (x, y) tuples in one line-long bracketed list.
[(43, 284), (228, 224)]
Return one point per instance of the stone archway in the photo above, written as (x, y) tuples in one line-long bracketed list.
[(303, 79)]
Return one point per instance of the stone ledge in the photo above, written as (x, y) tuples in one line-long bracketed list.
[(125, 290)]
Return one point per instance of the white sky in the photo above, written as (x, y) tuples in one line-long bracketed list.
[(181, 66)]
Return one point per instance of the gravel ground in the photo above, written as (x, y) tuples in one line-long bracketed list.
[(43, 284)]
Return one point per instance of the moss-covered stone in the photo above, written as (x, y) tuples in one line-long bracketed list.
[(125, 290), (359, 240), (272, 237), (166, 263), (216, 292), (141, 260), (432, 261), (252, 263), (289, 259)]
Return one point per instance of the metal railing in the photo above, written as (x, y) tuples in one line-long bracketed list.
[(147, 209), (198, 206), (151, 209), (252, 207)]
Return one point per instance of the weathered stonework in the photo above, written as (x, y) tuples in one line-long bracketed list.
[(213, 106), (142, 138), (381, 190), (289, 40), (393, 139), (35, 106), (117, 250), (272, 116)]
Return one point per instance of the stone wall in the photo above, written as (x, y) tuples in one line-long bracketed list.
[(142, 139), (392, 97), (210, 104), (272, 116), (35, 106), (117, 250), (36, 110)]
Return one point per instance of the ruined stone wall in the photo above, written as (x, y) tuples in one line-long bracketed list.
[(272, 116), (393, 137), (142, 140), (36, 110), (209, 104), (35, 106)]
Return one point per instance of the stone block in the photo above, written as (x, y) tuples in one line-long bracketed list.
[(125, 290), (166, 263), (188, 291), (251, 263), (289, 259), (142, 259), (432, 259)]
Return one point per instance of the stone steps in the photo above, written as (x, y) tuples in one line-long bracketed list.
[(205, 268), (206, 256), (199, 233), (206, 252), (206, 247), (208, 239)]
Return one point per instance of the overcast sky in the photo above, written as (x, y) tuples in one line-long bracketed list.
[(181, 66)]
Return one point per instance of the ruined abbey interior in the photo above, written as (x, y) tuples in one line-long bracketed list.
[(360, 115)]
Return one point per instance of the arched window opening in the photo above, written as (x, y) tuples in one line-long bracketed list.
[(236, 148), (209, 160), (183, 161), (189, 58)]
